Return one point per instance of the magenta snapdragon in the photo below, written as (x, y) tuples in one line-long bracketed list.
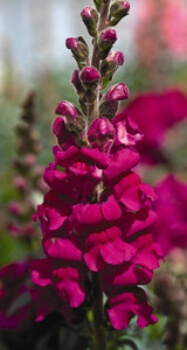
[(97, 217)]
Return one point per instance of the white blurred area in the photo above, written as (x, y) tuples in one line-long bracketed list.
[(33, 33)]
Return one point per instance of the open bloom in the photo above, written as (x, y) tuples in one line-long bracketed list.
[(97, 218)]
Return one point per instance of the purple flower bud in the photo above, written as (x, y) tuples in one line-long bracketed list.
[(101, 133), (63, 135), (108, 108), (105, 42), (78, 47), (71, 43), (117, 92), (111, 63), (90, 19), (109, 35), (90, 74), (118, 10), (116, 56), (67, 109), (74, 118)]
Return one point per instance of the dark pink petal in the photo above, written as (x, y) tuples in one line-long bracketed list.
[(127, 191), (120, 162), (94, 155), (128, 132), (65, 249), (111, 210), (108, 245), (126, 274), (126, 305), (140, 221), (41, 272), (68, 280), (65, 158), (85, 215)]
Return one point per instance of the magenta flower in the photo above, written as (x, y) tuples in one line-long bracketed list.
[(97, 217), (125, 305), (170, 230), (156, 114), (13, 314)]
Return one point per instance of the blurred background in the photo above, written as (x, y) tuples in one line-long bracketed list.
[(35, 73)]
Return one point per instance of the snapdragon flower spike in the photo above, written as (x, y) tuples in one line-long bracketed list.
[(90, 19), (79, 48), (97, 217), (105, 42), (118, 10)]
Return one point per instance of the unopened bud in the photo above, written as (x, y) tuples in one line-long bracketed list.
[(64, 136), (118, 10), (75, 119), (79, 48), (67, 109), (101, 133), (108, 108), (111, 63), (105, 42), (90, 19), (90, 78), (90, 75), (117, 92)]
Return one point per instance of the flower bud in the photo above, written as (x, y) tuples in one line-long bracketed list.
[(108, 108), (90, 75), (64, 136), (74, 118), (105, 42), (79, 48), (77, 84), (90, 78), (90, 19), (101, 133), (118, 10), (117, 92), (67, 109), (111, 63)]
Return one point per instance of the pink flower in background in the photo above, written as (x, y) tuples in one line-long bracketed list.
[(161, 27), (156, 113), (174, 28), (170, 229)]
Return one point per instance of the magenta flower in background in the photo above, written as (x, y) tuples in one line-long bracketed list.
[(170, 229), (15, 308), (156, 113)]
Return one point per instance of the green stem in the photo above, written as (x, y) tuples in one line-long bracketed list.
[(98, 315)]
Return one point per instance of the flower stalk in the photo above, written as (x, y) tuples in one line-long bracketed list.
[(97, 215)]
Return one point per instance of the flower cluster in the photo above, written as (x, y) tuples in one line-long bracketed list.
[(96, 218)]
